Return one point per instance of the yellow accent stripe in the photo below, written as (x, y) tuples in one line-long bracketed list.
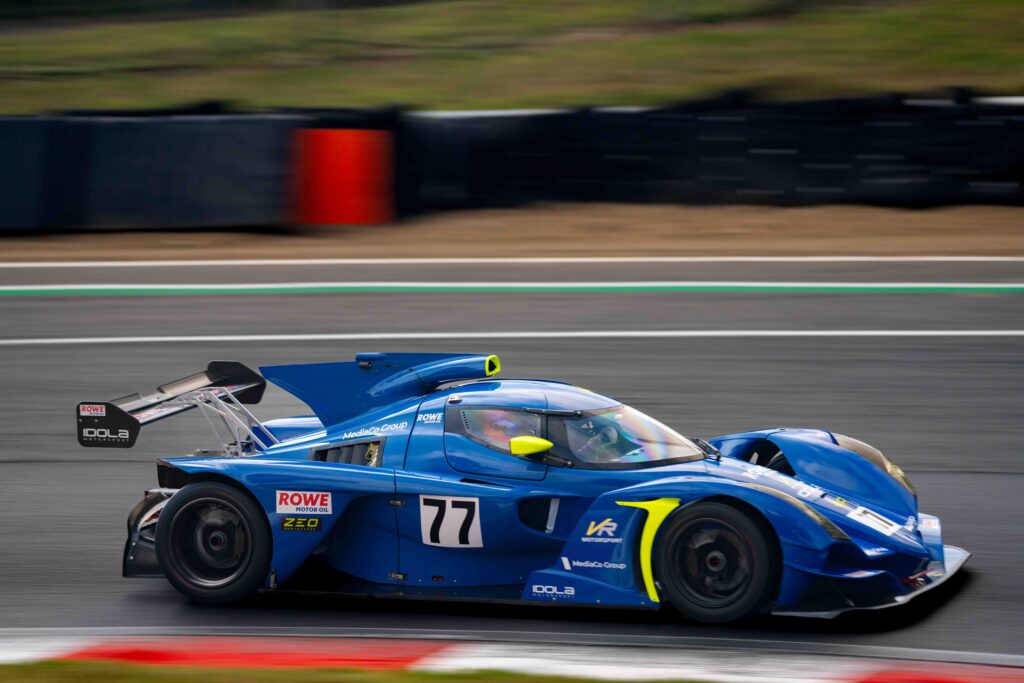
[(657, 511)]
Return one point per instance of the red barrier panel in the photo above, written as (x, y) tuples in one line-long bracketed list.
[(263, 653), (344, 177)]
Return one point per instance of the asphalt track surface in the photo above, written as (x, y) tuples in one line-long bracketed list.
[(949, 409)]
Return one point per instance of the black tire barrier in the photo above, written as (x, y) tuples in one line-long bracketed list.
[(23, 151), (205, 166), (189, 171), (883, 151), (146, 171)]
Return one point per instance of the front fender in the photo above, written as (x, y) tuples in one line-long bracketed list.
[(817, 459), (614, 543), (795, 523)]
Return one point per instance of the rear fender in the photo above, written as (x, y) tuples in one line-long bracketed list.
[(303, 502)]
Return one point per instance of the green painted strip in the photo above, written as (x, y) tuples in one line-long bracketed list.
[(200, 290)]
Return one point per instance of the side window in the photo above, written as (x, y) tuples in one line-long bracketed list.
[(493, 427)]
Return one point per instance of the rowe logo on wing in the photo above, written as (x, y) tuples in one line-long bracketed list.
[(306, 502), (602, 532), (92, 410)]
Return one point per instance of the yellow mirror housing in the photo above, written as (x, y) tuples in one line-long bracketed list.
[(529, 445)]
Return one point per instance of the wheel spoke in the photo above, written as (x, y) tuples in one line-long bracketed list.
[(211, 542), (715, 562)]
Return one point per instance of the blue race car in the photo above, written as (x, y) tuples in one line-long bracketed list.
[(422, 475)]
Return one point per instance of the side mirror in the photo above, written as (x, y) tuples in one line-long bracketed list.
[(528, 445)]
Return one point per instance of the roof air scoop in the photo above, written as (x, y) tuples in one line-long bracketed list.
[(339, 391)]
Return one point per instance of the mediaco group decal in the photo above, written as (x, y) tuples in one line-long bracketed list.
[(591, 564), (304, 502), (602, 532), (376, 431)]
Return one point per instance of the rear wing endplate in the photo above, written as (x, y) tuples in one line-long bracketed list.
[(223, 387)]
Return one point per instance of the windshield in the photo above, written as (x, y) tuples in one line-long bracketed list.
[(622, 437)]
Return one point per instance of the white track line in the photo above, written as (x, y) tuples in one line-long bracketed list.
[(508, 284), (22, 649), (567, 260), (617, 663), (543, 335)]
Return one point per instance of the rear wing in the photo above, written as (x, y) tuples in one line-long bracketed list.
[(222, 389)]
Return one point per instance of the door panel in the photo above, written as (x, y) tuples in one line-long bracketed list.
[(455, 533), (468, 456)]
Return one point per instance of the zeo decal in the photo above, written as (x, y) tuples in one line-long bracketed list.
[(450, 522), (300, 524)]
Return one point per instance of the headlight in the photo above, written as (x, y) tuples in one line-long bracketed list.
[(877, 458)]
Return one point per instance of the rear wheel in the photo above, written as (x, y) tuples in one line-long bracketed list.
[(212, 543), (716, 564)]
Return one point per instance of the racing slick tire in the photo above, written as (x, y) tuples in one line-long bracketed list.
[(716, 563), (213, 543)]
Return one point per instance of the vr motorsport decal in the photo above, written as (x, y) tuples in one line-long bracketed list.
[(602, 532), (450, 522), (303, 502)]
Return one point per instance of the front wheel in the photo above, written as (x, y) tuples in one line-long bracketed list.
[(717, 564), (213, 543)]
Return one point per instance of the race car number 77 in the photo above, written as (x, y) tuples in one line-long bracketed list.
[(450, 522)]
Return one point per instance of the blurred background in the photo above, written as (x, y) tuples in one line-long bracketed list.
[(733, 214), (445, 54)]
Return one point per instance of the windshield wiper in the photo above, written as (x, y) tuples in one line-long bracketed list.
[(556, 413), (709, 450)]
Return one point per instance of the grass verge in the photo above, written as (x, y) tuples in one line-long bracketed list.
[(517, 53), (103, 672)]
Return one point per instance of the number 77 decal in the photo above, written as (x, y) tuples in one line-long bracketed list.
[(450, 522)]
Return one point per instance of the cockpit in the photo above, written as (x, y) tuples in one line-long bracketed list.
[(619, 438)]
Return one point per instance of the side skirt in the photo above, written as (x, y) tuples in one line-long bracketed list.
[(494, 595)]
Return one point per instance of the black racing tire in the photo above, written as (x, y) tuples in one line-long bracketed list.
[(715, 563), (213, 543)]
